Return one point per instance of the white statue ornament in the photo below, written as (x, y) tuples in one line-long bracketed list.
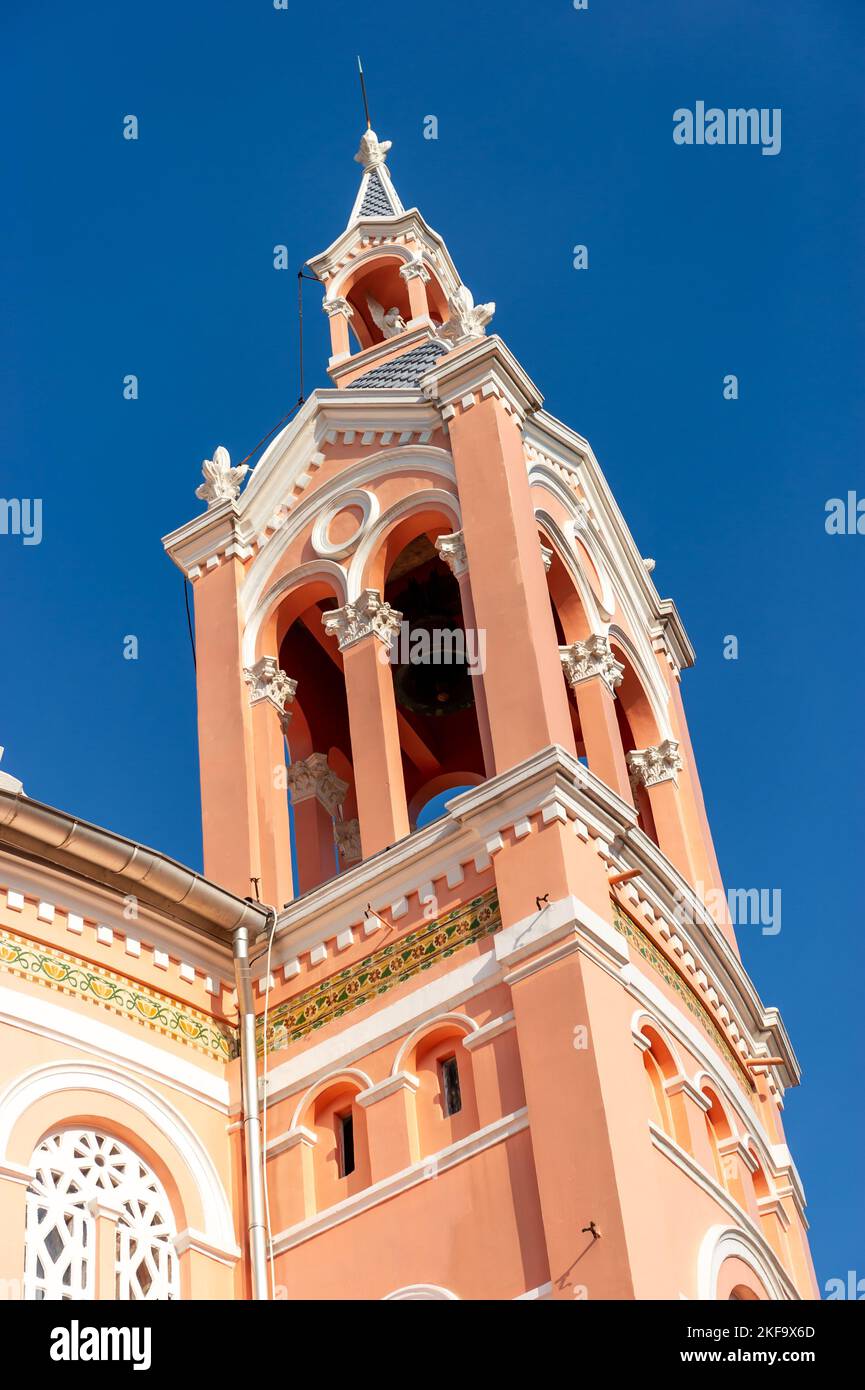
[(221, 481), (467, 319), (391, 323), (372, 151)]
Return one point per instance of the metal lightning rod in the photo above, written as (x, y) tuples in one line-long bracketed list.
[(363, 92)]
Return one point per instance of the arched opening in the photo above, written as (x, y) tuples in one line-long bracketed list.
[(341, 1157), (432, 660), (661, 1067), (572, 625), (319, 777), (637, 729), (719, 1130), (446, 1104), (383, 302)]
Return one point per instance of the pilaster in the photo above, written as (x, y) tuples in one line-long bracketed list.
[(364, 630)]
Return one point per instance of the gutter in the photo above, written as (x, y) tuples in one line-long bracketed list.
[(111, 861), (256, 1226)]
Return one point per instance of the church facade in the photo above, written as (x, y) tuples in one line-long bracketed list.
[(453, 1012)]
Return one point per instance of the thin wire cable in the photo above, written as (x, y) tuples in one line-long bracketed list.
[(313, 279), (264, 438), (189, 623)]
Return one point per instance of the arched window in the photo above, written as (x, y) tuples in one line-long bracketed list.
[(661, 1067), (341, 1163), (719, 1130), (73, 1169)]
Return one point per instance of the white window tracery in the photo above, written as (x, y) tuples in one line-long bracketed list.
[(75, 1168)]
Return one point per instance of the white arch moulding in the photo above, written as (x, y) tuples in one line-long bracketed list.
[(723, 1242), (415, 1036), (409, 458), (102, 1079), (328, 570), (433, 497), (353, 1074), (421, 1293)]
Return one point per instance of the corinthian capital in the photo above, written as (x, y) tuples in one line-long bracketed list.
[(337, 306), (267, 681), (649, 766), (582, 660), (452, 549), (313, 776), (347, 835), (366, 615), (415, 267)]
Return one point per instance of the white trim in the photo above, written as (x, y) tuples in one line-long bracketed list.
[(399, 1081), (716, 1067), (59, 1077), (774, 1275), (369, 507), (190, 1239), (434, 498), (16, 1172), (641, 1016), (487, 1031), (112, 1043), (421, 1293), (255, 600), (567, 918), (289, 1139), (417, 1034), (382, 1026), (723, 1242), (543, 1291), (339, 1073), (391, 1186)]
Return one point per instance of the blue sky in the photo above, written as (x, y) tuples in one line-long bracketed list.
[(155, 257)]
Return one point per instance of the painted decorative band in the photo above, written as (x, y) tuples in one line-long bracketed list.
[(379, 972), (72, 976)]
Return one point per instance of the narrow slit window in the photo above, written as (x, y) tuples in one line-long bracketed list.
[(345, 1143), (450, 1083)]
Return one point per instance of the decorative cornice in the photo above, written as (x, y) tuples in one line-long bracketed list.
[(488, 366), (649, 766), (594, 811), (452, 550), (198, 1243), (314, 777), (367, 615), (593, 657)]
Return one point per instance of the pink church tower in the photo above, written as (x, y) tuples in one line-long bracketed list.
[(511, 1051)]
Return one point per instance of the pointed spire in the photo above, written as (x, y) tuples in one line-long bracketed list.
[(376, 196)]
